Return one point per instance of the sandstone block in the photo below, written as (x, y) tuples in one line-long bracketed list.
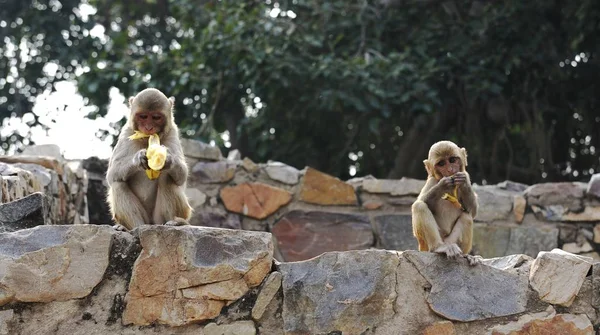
[(188, 274), (213, 172), (547, 322), (256, 200), (322, 189), (282, 173)]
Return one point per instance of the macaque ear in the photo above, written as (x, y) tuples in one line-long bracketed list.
[(428, 167), (131, 101), (463, 151), (172, 100)]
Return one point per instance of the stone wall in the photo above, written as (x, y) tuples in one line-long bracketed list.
[(309, 212), (90, 279)]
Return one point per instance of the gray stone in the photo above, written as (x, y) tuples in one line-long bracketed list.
[(593, 187), (218, 219), (234, 155), (494, 204), (196, 197), (496, 241), (213, 172), (558, 275), (396, 187), (507, 262), (97, 205), (267, 292), (345, 292), (50, 150), (235, 328), (461, 292), (53, 263), (566, 194), (198, 149), (283, 173), (28, 212), (512, 186), (394, 232), (305, 234)]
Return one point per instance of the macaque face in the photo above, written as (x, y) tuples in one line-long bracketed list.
[(447, 166), (149, 122)]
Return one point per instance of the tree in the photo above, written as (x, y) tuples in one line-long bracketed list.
[(357, 86)]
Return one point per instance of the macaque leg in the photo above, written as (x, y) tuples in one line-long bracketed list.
[(127, 209), (462, 234), (425, 227), (171, 208)]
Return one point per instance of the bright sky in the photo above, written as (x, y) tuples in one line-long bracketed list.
[(71, 130)]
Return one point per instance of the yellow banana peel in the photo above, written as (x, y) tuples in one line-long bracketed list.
[(453, 198), (156, 153)]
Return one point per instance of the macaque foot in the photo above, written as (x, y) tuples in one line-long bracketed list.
[(451, 250), (176, 222), (119, 227), (474, 260)]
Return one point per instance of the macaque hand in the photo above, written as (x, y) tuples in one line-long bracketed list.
[(141, 160), (460, 178), (168, 161)]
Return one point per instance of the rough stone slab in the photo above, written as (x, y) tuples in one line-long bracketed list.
[(557, 276), (267, 292), (47, 162), (249, 165), (496, 241), (6, 316), (494, 203), (188, 274), (49, 150), (49, 263), (322, 189), (305, 234), (394, 232), (256, 200), (213, 172), (547, 322), (345, 292), (507, 262), (282, 173), (461, 292), (216, 219), (396, 187), (234, 155), (566, 194), (198, 149), (236, 328), (512, 186), (440, 328), (28, 212), (196, 197), (589, 214), (597, 233), (593, 186), (596, 285)]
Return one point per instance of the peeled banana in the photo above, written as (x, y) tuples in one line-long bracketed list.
[(156, 153), (453, 198)]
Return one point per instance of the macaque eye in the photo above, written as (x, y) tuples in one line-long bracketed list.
[(156, 117), (143, 116), (441, 163), (453, 160)]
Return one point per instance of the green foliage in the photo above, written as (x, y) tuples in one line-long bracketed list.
[(333, 84)]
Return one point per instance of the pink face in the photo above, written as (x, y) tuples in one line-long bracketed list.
[(448, 166), (149, 122)]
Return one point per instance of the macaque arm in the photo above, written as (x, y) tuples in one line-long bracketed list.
[(431, 192), (121, 165), (468, 198), (178, 170)]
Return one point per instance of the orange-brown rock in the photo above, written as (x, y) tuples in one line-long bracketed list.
[(372, 205), (256, 200), (322, 189), (440, 328), (547, 323), (519, 206)]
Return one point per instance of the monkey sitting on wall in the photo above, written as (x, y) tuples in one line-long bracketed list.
[(442, 215), (135, 199)]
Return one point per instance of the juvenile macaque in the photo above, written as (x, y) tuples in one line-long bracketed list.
[(442, 215), (134, 197)]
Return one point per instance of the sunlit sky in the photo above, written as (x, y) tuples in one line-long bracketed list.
[(64, 112)]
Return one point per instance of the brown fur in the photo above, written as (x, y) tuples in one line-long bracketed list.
[(438, 225), (134, 199)]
